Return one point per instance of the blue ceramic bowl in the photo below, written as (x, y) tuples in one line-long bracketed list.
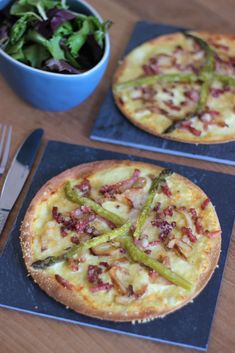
[(53, 91)]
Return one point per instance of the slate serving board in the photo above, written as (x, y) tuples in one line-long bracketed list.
[(189, 327), (111, 126)]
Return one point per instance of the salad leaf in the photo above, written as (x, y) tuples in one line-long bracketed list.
[(47, 35), (61, 66), (77, 39), (15, 50), (36, 54), (54, 48), (4, 34), (19, 28), (52, 45)]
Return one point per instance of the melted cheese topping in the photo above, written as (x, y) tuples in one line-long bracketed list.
[(159, 295), (152, 114)]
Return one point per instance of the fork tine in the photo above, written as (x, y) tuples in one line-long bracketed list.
[(6, 149), (2, 139)]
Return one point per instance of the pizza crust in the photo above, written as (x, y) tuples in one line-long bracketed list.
[(129, 70), (82, 303)]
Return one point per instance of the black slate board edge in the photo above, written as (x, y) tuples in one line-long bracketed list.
[(80, 154), (115, 331), (110, 119), (160, 150)]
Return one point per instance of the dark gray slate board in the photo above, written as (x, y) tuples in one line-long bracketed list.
[(188, 327), (111, 126)]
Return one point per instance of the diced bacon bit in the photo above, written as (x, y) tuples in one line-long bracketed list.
[(216, 92), (205, 203), (66, 284), (168, 211), (166, 190), (153, 65), (198, 225), (105, 265), (193, 213), (93, 274), (213, 234), (148, 93), (148, 251), (63, 232), (120, 187), (75, 239), (164, 226), (192, 94), (154, 243), (153, 274), (56, 215), (78, 221), (165, 260), (172, 106), (73, 264), (157, 207), (84, 187), (187, 125), (101, 287), (188, 231)]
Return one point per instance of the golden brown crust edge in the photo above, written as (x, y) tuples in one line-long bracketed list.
[(68, 297), (128, 115)]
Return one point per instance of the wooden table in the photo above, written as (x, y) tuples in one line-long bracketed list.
[(25, 333)]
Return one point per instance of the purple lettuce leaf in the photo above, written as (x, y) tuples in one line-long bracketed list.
[(90, 53), (4, 35), (61, 66), (56, 17)]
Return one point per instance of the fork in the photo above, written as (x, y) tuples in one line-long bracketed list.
[(5, 142)]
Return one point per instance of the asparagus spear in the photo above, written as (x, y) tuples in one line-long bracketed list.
[(157, 182), (139, 256), (206, 76), (209, 64), (148, 80), (73, 195), (230, 81), (51, 260)]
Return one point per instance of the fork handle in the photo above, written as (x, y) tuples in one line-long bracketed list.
[(3, 217)]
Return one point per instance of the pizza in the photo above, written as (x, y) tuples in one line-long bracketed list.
[(181, 87), (121, 240)]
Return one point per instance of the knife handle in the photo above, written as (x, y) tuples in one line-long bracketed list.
[(3, 217)]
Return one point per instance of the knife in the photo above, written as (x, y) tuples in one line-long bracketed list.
[(18, 173)]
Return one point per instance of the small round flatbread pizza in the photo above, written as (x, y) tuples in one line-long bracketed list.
[(180, 86), (121, 240)]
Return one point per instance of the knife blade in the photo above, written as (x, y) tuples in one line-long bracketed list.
[(18, 173)]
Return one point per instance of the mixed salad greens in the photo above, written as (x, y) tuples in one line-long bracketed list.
[(47, 35)]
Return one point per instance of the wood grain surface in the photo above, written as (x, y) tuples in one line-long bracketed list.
[(25, 333)]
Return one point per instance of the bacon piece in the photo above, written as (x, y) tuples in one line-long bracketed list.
[(63, 232), (189, 233), (66, 284), (121, 186), (56, 215), (187, 125), (205, 203), (216, 92), (154, 243), (168, 211), (172, 106), (166, 190), (101, 287), (93, 273), (73, 264), (75, 239), (193, 95), (213, 234), (104, 264), (164, 226), (84, 186)]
